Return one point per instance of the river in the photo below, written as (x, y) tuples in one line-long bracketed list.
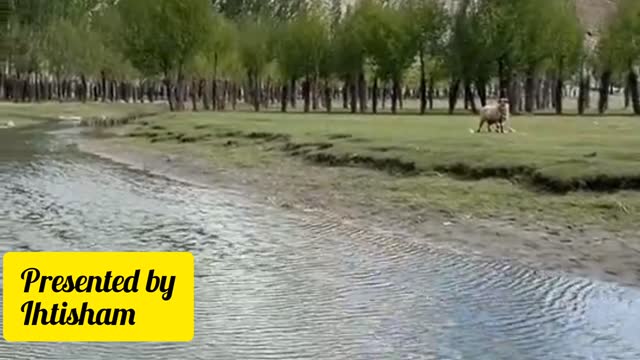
[(273, 283)]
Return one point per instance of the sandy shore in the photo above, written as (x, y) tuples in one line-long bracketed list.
[(584, 252)]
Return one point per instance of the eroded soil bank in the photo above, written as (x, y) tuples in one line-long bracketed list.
[(345, 194)]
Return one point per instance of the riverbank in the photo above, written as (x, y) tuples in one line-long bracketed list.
[(28, 114), (587, 233)]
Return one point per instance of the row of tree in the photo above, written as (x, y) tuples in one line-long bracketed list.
[(219, 52)]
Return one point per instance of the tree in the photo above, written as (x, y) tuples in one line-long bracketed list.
[(469, 54), (255, 50), (350, 53), (302, 51), (390, 41), (619, 50), (536, 42), (500, 21), (280, 10), (161, 36), (431, 21), (569, 36)]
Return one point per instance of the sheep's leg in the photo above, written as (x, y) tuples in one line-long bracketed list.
[(481, 125)]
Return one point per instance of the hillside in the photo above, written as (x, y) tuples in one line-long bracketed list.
[(594, 13)]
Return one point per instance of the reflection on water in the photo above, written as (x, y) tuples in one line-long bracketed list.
[(272, 284)]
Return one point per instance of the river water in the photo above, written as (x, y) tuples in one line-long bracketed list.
[(275, 284)]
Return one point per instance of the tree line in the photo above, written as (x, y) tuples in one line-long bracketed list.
[(317, 54)]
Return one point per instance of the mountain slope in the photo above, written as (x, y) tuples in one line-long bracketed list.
[(594, 13)]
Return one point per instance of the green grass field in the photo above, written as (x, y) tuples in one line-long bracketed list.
[(582, 170), (551, 153)]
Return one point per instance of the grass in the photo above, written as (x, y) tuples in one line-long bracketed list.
[(579, 170), (26, 114), (557, 154)]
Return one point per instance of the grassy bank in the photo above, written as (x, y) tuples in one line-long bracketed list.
[(30, 114), (570, 169)]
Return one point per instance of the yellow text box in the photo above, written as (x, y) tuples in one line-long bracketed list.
[(98, 297)]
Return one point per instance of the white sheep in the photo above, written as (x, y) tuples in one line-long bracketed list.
[(497, 114)]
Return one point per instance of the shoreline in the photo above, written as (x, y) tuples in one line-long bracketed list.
[(590, 253)]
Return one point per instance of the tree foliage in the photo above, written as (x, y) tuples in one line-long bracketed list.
[(337, 43)]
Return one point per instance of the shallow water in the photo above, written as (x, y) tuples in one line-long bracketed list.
[(276, 284)]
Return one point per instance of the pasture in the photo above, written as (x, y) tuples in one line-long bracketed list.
[(583, 169)]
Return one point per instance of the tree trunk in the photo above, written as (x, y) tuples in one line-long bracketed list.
[(38, 93), (293, 93), (547, 99), (169, 91), (214, 83), (264, 94), (131, 91), (626, 95), (345, 94), (26, 93), (49, 89), (193, 94), (466, 96), (587, 88), (254, 84), (583, 92), (431, 85), (605, 84), (61, 86), (103, 79), (234, 94), (283, 98), (71, 94), (215, 97), (353, 89), (395, 93), (203, 93), (558, 94), (306, 94), (529, 91), (19, 90), (503, 79), (519, 95), (123, 92), (469, 96), (314, 92), (385, 93), (423, 85), (362, 90), (454, 88), (327, 95), (149, 89), (374, 96), (632, 80), (83, 88), (481, 88), (538, 94)]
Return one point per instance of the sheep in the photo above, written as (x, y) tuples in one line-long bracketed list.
[(495, 115)]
